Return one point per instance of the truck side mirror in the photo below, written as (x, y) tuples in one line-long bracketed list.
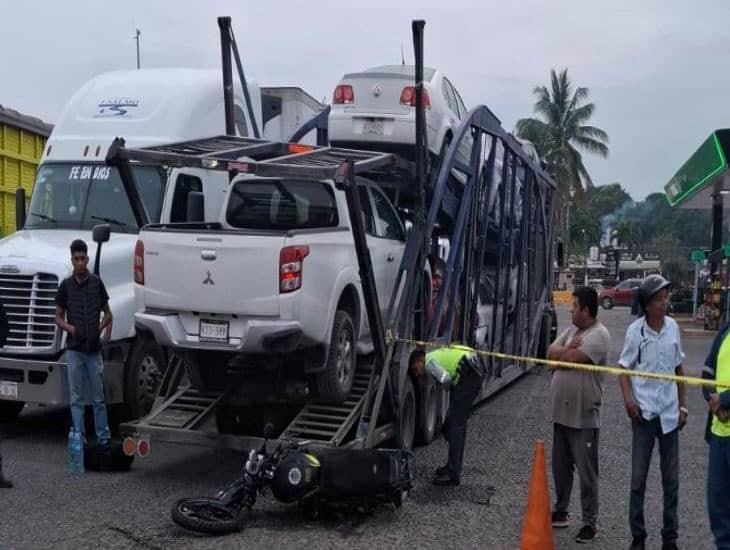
[(196, 207), (19, 208), (100, 234)]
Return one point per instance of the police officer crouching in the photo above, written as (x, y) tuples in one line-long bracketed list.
[(459, 368)]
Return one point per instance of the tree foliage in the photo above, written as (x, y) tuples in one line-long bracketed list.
[(560, 132), (644, 227)]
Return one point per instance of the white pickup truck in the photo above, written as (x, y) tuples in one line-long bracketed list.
[(276, 280)]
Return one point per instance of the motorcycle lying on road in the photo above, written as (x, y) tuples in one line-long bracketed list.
[(313, 478)]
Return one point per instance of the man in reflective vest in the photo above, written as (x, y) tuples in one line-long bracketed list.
[(459, 368), (717, 434)]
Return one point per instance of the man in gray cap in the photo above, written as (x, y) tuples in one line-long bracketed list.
[(656, 408)]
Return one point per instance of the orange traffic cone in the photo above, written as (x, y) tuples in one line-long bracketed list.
[(537, 532)]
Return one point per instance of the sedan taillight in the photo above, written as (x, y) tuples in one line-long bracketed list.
[(344, 94), (408, 97)]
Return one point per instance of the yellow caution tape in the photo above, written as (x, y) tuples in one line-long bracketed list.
[(617, 371)]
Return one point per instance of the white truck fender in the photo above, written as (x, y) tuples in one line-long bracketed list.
[(348, 276)]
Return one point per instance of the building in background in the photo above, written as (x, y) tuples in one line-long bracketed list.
[(22, 139)]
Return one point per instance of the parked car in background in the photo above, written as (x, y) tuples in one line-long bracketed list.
[(620, 295), (378, 106)]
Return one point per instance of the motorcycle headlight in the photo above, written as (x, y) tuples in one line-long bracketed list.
[(252, 464)]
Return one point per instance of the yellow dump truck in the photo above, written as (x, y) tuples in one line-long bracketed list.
[(22, 139)]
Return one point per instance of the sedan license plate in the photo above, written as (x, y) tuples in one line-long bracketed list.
[(8, 390), (374, 126), (213, 331)]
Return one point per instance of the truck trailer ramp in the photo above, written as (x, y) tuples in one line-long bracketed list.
[(184, 415), (326, 424)]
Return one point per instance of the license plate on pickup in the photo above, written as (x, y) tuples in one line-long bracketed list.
[(213, 331), (374, 126), (8, 390)]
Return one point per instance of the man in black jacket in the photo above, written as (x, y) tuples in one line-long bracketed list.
[(4, 329), (80, 301)]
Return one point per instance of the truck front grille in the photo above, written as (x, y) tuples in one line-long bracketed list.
[(29, 302)]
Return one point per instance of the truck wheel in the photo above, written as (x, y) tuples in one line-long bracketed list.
[(406, 415), (429, 408), (335, 381), (9, 410), (545, 329), (143, 373)]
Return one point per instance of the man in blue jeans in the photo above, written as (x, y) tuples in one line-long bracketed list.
[(656, 408), (80, 301), (717, 434)]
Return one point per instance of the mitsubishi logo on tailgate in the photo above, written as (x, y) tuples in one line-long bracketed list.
[(208, 280)]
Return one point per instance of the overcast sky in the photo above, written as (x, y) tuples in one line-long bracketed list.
[(657, 70)]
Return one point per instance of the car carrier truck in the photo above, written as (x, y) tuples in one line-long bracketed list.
[(250, 354)]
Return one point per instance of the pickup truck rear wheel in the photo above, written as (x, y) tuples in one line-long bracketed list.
[(335, 381), (9, 410), (142, 376)]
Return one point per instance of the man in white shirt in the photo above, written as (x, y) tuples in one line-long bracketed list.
[(656, 407)]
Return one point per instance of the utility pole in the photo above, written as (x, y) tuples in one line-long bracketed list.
[(136, 37)]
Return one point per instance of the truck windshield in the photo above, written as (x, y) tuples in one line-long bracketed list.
[(80, 196), (281, 204)]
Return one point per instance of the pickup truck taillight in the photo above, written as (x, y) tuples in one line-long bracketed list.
[(139, 263), (291, 260)]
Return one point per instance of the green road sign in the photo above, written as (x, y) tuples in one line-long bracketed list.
[(701, 170), (698, 255)]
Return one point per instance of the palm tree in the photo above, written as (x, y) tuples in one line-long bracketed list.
[(560, 133)]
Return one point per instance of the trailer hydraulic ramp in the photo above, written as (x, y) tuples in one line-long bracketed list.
[(329, 425), (182, 414)]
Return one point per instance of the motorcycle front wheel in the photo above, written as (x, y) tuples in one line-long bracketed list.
[(207, 515)]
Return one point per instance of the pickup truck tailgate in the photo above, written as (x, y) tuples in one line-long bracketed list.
[(212, 273)]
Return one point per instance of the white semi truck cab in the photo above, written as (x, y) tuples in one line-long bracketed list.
[(75, 190)]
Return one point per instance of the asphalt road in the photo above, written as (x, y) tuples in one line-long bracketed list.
[(50, 508)]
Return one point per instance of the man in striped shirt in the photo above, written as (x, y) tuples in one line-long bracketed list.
[(656, 407)]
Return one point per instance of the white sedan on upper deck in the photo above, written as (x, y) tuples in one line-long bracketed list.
[(376, 109)]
